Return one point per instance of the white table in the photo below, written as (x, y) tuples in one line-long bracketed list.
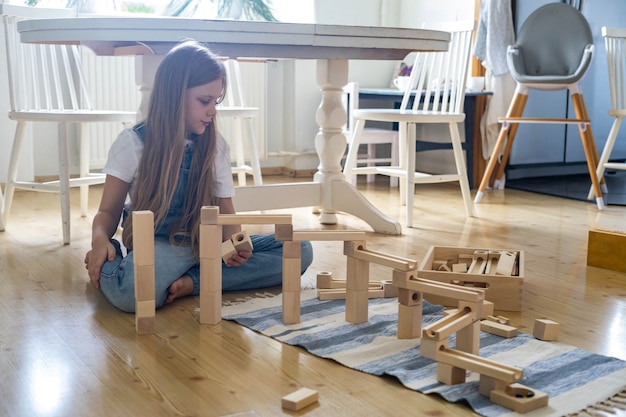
[(331, 45)]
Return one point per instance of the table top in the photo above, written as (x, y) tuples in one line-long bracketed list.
[(230, 38)]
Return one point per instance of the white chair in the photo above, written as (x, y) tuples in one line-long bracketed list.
[(615, 43), (370, 138), (46, 84), (439, 79), (242, 138)]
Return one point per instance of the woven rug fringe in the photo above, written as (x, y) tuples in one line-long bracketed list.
[(609, 407)]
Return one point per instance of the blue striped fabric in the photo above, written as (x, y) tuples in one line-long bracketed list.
[(573, 378)]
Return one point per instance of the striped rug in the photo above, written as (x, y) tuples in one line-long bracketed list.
[(575, 379)]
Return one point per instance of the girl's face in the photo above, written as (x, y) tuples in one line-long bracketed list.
[(200, 108)]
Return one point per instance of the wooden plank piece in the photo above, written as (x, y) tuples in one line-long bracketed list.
[(299, 399)]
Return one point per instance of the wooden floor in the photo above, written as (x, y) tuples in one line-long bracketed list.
[(65, 352)]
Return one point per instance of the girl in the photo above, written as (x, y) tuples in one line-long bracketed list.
[(174, 163)]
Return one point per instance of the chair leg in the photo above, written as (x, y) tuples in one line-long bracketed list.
[(410, 172), (85, 146), (238, 145), (254, 152), (589, 146), (395, 160), (64, 181), (515, 110), (9, 189), (461, 169), (371, 154), (403, 157), (606, 153)]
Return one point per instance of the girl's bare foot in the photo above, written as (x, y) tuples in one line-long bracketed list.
[(181, 287)]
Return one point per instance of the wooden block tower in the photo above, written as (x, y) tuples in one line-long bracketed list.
[(143, 260)]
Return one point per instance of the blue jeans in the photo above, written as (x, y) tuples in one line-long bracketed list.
[(263, 269)]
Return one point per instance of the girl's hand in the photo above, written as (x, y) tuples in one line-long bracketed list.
[(239, 258), (95, 258)]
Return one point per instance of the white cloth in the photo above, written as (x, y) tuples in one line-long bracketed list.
[(125, 154), (495, 33), (503, 88)]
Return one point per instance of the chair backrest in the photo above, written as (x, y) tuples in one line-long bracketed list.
[(42, 77), (442, 76), (615, 44), (552, 42)]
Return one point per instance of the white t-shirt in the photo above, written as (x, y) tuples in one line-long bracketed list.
[(125, 154)]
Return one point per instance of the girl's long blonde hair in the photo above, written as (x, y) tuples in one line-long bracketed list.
[(188, 65)]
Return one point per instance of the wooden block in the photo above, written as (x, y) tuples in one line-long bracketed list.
[(228, 250), (607, 249), (357, 274), (210, 307), (450, 375), (519, 398), (430, 347), (242, 241), (291, 307), (498, 319), (145, 308), (210, 241), (299, 399), (325, 280), (546, 329), (408, 297), (144, 282), (468, 338), (498, 329), (254, 219), (459, 267), (211, 275), (389, 289), (145, 325), (340, 293), (492, 262), (486, 384), (143, 237), (506, 263), (409, 321), (328, 235), (283, 232), (208, 215), (291, 274), (479, 262), (488, 308), (356, 306), (292, 249)]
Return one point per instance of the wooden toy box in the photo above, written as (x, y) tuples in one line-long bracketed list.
[(505, 291)]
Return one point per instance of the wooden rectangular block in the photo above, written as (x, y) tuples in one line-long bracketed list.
[(299, 399), (607, 249), (291, 274), (210, 307), (409, 321), (357, 306), (357, 274), (144, 282), (291, 307), (145, 325), (210, 275), (498, 329), (145, 308), (504, 291), (210, 241), (143, 237), (519, 398), (450, 375)]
